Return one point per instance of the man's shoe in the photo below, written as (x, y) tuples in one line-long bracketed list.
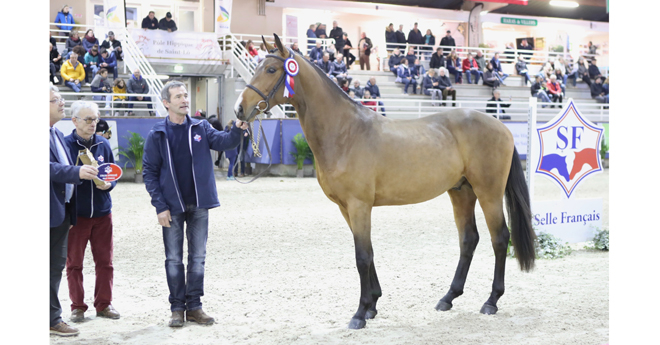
[(108, 312), (77, 315), (177, 319), (199, 316), (64, 330)]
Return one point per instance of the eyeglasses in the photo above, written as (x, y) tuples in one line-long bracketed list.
[(89, 120), (56, 100)]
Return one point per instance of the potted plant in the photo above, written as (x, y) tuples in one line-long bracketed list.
[(604, 149), (301, 153), (133, 153)]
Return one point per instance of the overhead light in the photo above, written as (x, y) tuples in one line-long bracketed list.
[(571, 4), (483, 12), (178, 68), (158, 76)]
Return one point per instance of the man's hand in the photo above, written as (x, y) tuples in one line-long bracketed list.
[(105, 186), (164, 218), (169, 30), (88, 172), (76, 81), (139, 98), (241, 124)]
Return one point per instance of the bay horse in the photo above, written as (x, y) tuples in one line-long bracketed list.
[(364, 160)]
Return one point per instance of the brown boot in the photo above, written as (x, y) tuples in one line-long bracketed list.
[(108, 312), (177, 319), (77, 315), (64, 330), (199, 316)]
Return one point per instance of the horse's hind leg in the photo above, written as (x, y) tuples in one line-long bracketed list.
[(463, 201), (499, 235)]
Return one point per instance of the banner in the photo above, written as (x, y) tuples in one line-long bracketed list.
[(474, 25), (115, 13), (180, 45), (222, 17), (571, 220)]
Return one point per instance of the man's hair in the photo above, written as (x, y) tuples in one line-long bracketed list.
[(103, 51), (103, 70), (79, 50), (442, 69), (165, 93), (150, 12), (77, 106), (415, 23), (54, 88)]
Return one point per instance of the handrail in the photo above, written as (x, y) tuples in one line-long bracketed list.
[(112, 108)]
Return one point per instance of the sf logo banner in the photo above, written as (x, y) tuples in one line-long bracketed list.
[(569, 146)]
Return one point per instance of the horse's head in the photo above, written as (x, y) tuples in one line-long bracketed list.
[(267, 86)]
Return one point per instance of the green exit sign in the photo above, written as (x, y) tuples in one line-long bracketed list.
[(518, 21)]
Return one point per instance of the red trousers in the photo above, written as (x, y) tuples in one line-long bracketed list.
[(98, 231)]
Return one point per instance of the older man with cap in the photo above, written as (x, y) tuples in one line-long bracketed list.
[(447, 41), (113, 45), (167, 23)]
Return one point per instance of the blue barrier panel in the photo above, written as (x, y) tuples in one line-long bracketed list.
[(272, 132), (289, 129)]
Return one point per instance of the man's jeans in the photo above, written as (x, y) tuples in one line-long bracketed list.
[(473, 73), (186, 289), (501, 77), (543, 97), (75, 87)]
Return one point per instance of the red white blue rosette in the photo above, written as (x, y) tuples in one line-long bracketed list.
[(291, 68)]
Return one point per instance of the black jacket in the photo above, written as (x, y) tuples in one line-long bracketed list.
[(163, 24), (491, 107), (415, 37), (390, 37), (367, 41), (593, 71), (148, 23), (338, 35), (400, 37), (536, 87), (447, 41), (106, 44), (443, 82), (437, 61), (597, 89)]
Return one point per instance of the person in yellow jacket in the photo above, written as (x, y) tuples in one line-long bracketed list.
[(119, 87), (73, 72)]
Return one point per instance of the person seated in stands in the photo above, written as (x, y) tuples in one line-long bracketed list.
[(417, 70), (430, 86), (509, 53), (109, 62), (411, 56), (395, 61), (521, 69), (92, 61), (375, 92), (490, 76), (526, 49), (89, 40), (574, 73), (72, 41), (497, 67), (554, 90), (138, 87), (359, 91), (496, 106), (560, 77), (55, 63), (167, 23), (316, 54), (330, 49), (119, 87), (294, 47), (404, 76), (334, 80), (252, 51), (538, 90), (325, 65), (343, 85), (113, 46), (73, 72), (437, 59), (150, 22), (594, 71), (454, 67), (371, 104), (481, 63), (444, 84), (471, 69), (598, 92), (261, 54), (101, 84), (560, 65), (351, 94)]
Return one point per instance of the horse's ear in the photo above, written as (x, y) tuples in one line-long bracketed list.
[(268, 46), (280, 46)]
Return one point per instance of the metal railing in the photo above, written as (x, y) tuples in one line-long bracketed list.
[(109, 107)]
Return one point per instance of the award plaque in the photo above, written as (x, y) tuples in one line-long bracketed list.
[(88, 159)]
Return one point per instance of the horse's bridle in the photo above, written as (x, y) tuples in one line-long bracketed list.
[(280, 82)]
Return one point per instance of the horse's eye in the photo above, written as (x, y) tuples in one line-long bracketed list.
[(271, 70)]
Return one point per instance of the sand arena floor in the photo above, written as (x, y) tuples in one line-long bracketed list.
[(280, 269)]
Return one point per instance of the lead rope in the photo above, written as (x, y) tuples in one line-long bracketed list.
[(256, 151)]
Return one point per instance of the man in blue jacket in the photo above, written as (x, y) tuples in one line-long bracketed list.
[(64, 177), (109, 62), (178, 174), (375, 92), (497, 68)]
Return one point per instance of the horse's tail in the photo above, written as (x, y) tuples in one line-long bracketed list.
[(520, 214)]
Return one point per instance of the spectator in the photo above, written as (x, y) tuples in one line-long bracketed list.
[(401, 37), (547, 70), (94, 219), (594, 71), (251, 49), (444, 84), (496, 106), (113, 46), (395, 61), (521, 69), (357, 90), (101, 84), (375, 92), (340, 71), (350, 58), (390, 38), (437, 59), (92, 61), (592, 49), (338, 34), (137, 86), (109, 62), (411, 55), (73, 40), (64, 17), (331, 51), (560, 70), (417, 70), (373, 105), (573, 74), (326, 65), (509, 53), (554, 90), (316, 54), (343, 85), (89, 40), (364, 50), (55, 63), (320, 31), (261, 54), (430, 86), (470, 68), (150, 22), (560, 79), (583, 71), (103, 129), (598, 92), (119, 101), (429, 41), (310, 38), (231, 154), (351, 94), (415, 36), (454, 67), (526, 49), (404, 76), (167, 23), (490, 77), (73, 72), (539, 90), (497, 67), (447, 42), (481, 62)]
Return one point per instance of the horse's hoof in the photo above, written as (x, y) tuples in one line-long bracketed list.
[(357, 324), (443, 306), (371, 313), (488, 309)]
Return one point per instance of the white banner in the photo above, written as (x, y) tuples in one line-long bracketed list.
[(572, 220), (115, 13), (179, 45), (222, 17)]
